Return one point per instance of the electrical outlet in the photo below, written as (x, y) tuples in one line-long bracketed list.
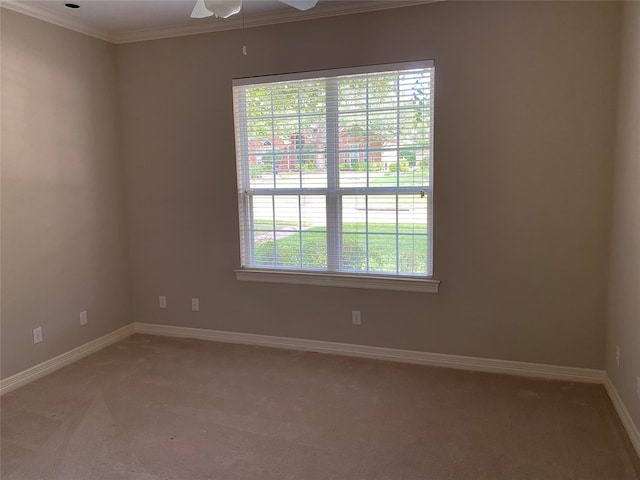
[(162, 301), (356, 318), (195, 305), (37, 335), (618, 356), (83, 318)]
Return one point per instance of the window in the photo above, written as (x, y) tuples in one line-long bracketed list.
[(335, 176)]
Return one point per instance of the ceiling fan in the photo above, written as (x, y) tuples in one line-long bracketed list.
[(226, 8)]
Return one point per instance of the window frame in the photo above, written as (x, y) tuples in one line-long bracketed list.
[(333, 194)]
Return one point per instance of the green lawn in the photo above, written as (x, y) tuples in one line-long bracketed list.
[(308, 249), (280, 224)]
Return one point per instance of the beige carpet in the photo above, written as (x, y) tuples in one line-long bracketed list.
[(156, 408)]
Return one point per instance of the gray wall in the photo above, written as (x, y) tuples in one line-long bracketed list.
[(624, 276), (64, 239), (525, 106)]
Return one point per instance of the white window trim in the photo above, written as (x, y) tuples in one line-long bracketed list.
[(323, 279), (421, 284)]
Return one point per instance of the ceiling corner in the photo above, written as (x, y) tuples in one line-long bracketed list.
[(61, 21)]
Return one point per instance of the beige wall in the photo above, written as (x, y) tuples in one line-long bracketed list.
[(624, 276), (525, 104), (64, 239)]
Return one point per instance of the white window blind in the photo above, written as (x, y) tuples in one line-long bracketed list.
[(335, 170)]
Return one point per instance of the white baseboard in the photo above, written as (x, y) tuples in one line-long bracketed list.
[(623, 413), (381, 353), (19, 379), (536, 370)]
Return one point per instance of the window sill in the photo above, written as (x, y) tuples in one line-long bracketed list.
[(405, 284)]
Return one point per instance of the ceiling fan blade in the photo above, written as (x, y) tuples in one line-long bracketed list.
[(200, 10), (300, 4), (223, 8)]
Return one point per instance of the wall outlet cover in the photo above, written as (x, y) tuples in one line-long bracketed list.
[(37, 335)]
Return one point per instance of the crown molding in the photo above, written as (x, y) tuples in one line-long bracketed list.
[(322, 10), (194, 27), (60, 20)]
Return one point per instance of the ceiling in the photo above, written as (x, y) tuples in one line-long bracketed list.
[(123, 21)]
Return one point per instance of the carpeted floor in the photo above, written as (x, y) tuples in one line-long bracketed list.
[(154, 408)]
